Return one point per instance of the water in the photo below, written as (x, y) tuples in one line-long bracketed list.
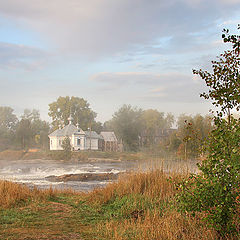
[(34, 172)]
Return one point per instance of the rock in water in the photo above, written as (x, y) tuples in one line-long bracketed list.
[(82, 177)]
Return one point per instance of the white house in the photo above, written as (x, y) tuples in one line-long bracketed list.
[(79, 139)]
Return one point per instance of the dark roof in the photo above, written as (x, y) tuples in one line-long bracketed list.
[(109, 136)]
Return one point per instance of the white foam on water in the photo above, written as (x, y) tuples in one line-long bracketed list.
[(34, 172)]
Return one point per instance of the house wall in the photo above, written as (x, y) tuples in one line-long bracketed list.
[(82, 144), (56, 143), (110, 146), (94, 144)]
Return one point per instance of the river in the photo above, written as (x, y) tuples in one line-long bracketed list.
[(34, 172)]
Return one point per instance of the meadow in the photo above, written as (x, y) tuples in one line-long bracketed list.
[(138, 206)]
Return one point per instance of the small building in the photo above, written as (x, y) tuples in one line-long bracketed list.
[(110, 142), (93, 140), (79, 139)]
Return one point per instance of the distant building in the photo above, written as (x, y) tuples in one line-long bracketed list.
[(83, 140), (110, 143), (79, 139)]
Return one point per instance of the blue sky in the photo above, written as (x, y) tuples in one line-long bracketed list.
[(138, 52)]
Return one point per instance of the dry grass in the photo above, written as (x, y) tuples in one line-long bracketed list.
[(153, 184), (140, 206), (172, 225), (11, 154), (159, 221), (13, 194)]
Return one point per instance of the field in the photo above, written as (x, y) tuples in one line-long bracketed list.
[(138, 206)]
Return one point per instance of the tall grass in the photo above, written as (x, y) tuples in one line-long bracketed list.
[(142, 206), (154, 184), (139, 206), (14, 194)]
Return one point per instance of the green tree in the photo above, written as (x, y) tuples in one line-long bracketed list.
[(216, 189), (154, 122), (79, 109), (127, 124), (97, 126), (32, 131), (193, 131), (8, 122), (24, 133)]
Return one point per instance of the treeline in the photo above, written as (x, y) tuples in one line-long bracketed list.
[(155, 131), (136, 129), (24, 132)]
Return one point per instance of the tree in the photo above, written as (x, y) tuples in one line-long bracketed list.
[(8, 122), (32, 131), (216, 189), (24, 133), (127, 124), (78, 108), (31, 115), (154, 122), (193, 131)]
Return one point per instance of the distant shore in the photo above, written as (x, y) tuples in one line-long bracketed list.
[(89, 156)]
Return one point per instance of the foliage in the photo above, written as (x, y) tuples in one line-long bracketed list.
[(8, 122), (154, 123), (215, 191), (127, 124), (24, 133), (66, 145), (193, 132), (32, 131), (78, 108), (223, 83)]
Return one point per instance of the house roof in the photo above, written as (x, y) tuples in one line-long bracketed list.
[(93, 134), (66, 131), (79, 132), (109, 136)]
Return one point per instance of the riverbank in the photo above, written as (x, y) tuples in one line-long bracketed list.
[(137, 206), (76, 156)]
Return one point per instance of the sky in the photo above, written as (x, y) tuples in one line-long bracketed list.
[(111, 52)]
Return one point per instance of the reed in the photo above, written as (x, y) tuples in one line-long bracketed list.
[(14, 194), (152, 184)]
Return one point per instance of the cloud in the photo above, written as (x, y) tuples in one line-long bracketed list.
[(105, 28), (168, 87), (13, 56)]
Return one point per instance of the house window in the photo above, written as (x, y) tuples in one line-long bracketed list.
[(78, 141), (60, 142)]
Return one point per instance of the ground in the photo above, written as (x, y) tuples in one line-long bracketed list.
[(57, 219)]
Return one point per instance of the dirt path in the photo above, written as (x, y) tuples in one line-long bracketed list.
[(41, 221)]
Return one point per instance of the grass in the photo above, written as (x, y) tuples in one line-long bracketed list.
[(138, 206)]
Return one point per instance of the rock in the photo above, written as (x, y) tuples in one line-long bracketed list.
[(82, 177)]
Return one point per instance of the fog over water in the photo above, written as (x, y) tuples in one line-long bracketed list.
[(34, 172)]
